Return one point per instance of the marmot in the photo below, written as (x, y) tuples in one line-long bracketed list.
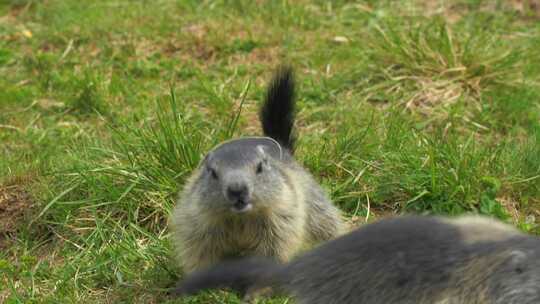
[(250, 197), (404, 260)]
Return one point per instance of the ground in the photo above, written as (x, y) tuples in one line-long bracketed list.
[(106, 107)]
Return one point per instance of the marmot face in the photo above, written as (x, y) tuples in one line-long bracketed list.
[(241, 175)]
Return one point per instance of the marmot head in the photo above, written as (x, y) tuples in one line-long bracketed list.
[(242, 175)]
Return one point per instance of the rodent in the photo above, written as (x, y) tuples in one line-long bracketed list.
[(402, 260), (250, 197)]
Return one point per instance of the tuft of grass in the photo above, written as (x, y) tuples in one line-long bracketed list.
[(89, 96), (410, 171), (427, 66)]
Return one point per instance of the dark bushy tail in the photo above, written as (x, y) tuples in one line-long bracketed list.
[(238, 275), (277, 113)]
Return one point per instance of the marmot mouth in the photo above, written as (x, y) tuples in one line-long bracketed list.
[(241, 206)]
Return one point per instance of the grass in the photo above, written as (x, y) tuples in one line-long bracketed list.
[(107, 106)]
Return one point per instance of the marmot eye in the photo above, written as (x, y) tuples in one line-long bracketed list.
[(259, 168), (213, 173)]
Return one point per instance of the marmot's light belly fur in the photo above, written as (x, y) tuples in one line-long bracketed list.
[(407, 260), (250, 197)]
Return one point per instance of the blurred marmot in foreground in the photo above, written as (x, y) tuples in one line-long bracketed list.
[(250, 197), (407, 260)]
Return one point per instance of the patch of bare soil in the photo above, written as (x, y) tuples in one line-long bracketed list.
[(14, 205)]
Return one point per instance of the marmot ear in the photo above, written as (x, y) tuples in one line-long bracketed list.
[(517, 257), (207, 158), (266, 151), (261, 151), (518, 261)]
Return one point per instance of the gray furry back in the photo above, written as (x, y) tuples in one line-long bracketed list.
[(421, 260), (407, 260)]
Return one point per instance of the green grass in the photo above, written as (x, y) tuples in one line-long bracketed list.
[(107, 106)]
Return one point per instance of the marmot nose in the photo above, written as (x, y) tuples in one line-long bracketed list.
[(237, 192)]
